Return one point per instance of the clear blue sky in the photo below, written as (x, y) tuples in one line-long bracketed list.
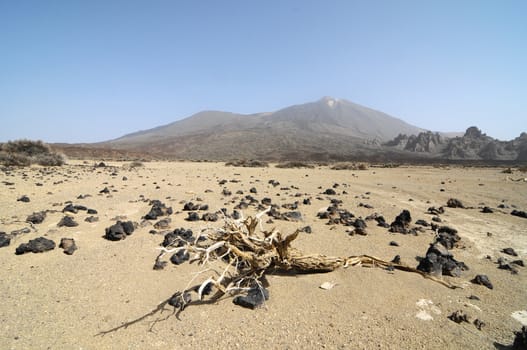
[(86, 71)]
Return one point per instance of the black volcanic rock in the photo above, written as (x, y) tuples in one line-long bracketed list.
[(36, 218), (5, 239), (37, 245)]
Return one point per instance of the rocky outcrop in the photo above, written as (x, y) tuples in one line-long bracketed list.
[(473, 145)]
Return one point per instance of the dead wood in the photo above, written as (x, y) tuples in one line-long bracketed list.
[(239, 256)]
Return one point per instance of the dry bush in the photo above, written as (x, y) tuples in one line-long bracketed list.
[(14, 159), (296, 164), (350, 166), (50, 159), (136, 164), (27, 152), (26, 147), (252, 163)]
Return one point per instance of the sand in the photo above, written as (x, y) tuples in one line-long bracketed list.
[(56, 301)]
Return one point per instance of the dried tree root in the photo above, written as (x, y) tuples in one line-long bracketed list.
[(246, 256)]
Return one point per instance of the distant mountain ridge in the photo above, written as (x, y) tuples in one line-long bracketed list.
[(325, 130)]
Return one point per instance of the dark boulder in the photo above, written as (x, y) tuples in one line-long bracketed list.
[(67, 221), (5, 239), (255, 297), (24, 199), (483, 280), (119, 230), (179, 257), (37, 245), (454, 203), (192, 216), (510, 251), (69, 246), (36, 218), (401, 223), (210, 217), (519, 213), (158, 209), (520, 339)]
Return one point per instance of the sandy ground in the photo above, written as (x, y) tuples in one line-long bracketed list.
[(56, 301)]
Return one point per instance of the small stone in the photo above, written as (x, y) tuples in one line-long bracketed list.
[(91, 219), (394, 244), (509, 251), (483, 280), (459, 316), (254, 298), (454, 203), (68, 244), (24, 199), (36, 218), (67, 221), (5, 239)]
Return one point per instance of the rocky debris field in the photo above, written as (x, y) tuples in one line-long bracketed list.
[(464, 226)]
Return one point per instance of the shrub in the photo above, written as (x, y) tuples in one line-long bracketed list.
[(350, 166), (295, 165), (14, 159), (27, 152), (253, 163), (136, 164), (49, 159), (26, 147)]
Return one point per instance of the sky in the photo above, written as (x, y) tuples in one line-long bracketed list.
[(87, 71)]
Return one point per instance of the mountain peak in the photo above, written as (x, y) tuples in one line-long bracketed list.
[(329, 101)]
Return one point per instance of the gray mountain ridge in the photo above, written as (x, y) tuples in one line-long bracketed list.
[(327, 129)]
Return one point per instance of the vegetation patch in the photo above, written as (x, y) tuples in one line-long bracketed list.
[(27, 152), (252, 163)]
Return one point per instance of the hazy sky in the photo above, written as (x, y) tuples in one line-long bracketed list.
[(86, 71)]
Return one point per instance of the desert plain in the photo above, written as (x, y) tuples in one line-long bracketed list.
[(52, 300)]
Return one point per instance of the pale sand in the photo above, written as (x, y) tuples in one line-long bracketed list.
[(55, 301)]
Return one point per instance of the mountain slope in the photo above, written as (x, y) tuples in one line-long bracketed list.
[(325, 127)]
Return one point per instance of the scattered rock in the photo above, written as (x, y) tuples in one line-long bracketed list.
[(509, 251), (520, 339), (178, 237), (448, 237), (255, 297), (5, 239), (439, 261), (91, 219), (401, 223), (179, 257), (454, 203), (24, 199), (436, 211), (158, 209), (70, 208), (68, 244), (330, 192), (192, 216), (422, 223), (119, 230), (487, 210), (459, 316), (163, 224), (37, 245), (210, 217), (36, 218), (67, 221), (483, 280), (105, 190), (394, 244), (92, 211), (519, 213)]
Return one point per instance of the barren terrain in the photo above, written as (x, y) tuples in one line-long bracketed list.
[(52, 300)]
